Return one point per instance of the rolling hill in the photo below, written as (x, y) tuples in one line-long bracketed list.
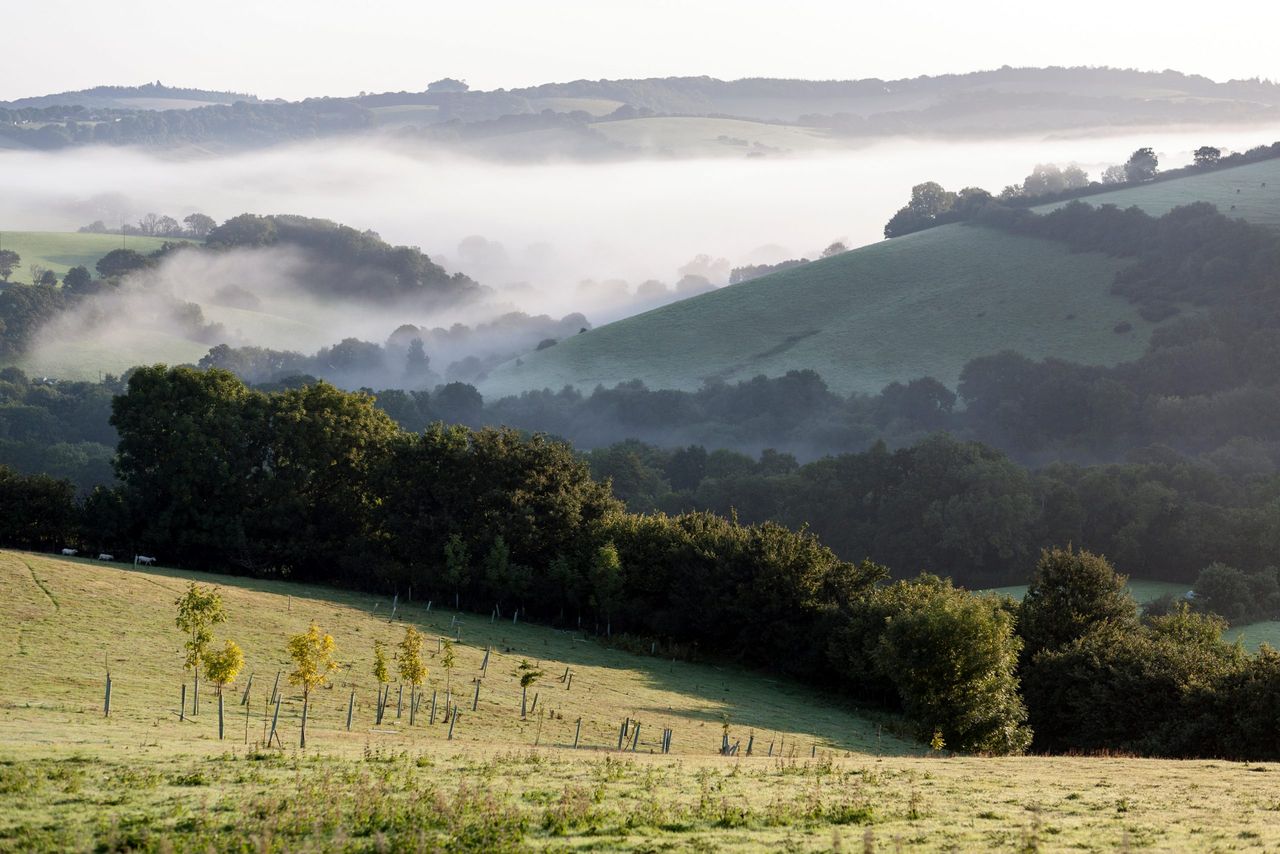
[(920, 305), (60, 251), (144, 778)]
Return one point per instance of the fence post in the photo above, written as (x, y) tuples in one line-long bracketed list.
[(244, 700), (106, 702), (351, 707), (476, 699), (275, 718), (576, 733), (182, 706), (453, 721)]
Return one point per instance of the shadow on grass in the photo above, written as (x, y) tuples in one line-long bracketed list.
[(704, 693)]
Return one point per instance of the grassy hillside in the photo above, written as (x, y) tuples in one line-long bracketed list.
[(71, 779), (89, 359), (920, 305), (60, 251), (1237, 191)]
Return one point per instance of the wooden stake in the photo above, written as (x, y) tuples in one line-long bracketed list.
[(452, 722), (275, 689), (275, 718), (476, 699), (351, 707), (106, 702), (576, 733), (220, 729), (244, 700), (182, 705), (433, 707)]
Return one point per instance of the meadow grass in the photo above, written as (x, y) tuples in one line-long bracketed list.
[(71, 779), (60, 251), (88, 359), (1238, 187), (921, 305)]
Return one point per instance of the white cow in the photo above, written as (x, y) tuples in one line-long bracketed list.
[(144, 560), (70, 552), (105, 556)]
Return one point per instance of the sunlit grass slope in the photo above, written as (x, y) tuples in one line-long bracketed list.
[(72, 617), (71, 779), (60, 251), (921, 305)]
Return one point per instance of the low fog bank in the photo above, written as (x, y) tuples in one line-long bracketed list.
[(568, 244), (260, 313), (557, 224)]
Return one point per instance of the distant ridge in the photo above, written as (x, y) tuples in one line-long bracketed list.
[(148, 96)]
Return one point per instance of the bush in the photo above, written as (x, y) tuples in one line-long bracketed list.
[(953, 661), (1237, 596), (1071, 593)]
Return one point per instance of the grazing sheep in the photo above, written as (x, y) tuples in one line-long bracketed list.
[(105, 556), (144, 560), (70, 552)]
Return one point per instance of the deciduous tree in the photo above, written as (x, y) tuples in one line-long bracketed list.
[(199, 610), (312, 653)]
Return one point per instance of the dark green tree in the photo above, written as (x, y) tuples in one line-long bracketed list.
[(1072, 592), (1142, 165)]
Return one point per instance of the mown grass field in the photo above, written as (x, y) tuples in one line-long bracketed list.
[(921, 305), (71, 779), (60, 251)]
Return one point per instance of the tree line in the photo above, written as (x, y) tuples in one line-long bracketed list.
[(317, 484)]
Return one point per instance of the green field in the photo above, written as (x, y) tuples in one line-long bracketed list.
[(90, 359), (1240, 186), (1252, 635), (920, 305), (72, 779), (60, 251), (1141, 591)]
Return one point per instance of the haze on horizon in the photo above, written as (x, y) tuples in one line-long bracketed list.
[(301, 48)]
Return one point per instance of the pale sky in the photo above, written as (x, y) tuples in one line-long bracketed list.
[(299, 48)]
